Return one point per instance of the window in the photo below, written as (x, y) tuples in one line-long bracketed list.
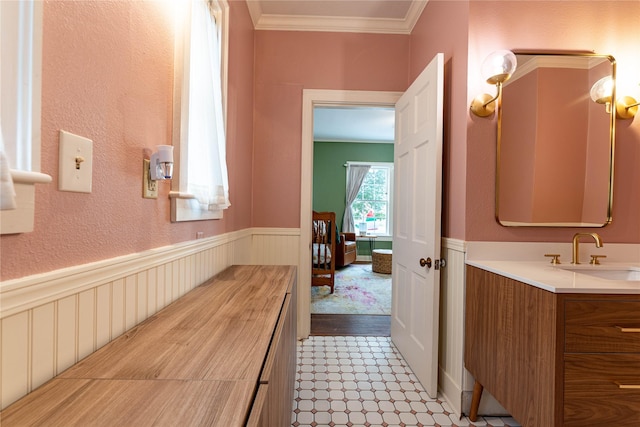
[(20, 93), (200, 184), (373, 205)]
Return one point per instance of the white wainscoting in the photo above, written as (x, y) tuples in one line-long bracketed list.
[(455, 382), (451, 345), (271, 246), (50, 321)]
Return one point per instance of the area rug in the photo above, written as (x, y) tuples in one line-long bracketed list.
[(358, 290)]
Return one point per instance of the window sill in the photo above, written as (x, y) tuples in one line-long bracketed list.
[(184, 207), (21, 220), (378, 237)]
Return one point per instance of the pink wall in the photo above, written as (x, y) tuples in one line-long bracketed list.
[(288, 62), (107, 75), (578, 25), (240, 116), (443, 28)]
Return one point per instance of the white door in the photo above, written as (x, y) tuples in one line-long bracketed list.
[(416, 236)]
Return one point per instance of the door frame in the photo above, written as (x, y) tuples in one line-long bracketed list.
[(312, 98)]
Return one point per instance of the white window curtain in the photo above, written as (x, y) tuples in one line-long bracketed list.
[(207, 162), (355, 178)]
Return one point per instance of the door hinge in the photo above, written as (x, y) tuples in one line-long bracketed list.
[(440, 263)]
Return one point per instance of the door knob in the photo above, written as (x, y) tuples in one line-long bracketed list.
[(425, 262)]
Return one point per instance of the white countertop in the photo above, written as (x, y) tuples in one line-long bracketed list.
[(544, 275)]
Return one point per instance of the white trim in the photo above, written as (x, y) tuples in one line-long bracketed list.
[(555, 61), (22, 81), (180, 195), (22, 219), (255, 11), (223, 10), (27, 177), (383, 164), (342, 24), (333, 24), (17, 295), (31, 291), (25, 17), (378, 238), (451, 333), (310, 99), (259, 231), (454, 244)]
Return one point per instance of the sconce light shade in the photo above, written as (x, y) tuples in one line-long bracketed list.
[(602, 90), (161, 163), (499, 66), (602, 93)]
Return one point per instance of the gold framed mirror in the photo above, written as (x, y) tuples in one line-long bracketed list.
[(555, 144)]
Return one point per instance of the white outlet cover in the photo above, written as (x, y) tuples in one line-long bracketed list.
[(76, 163)]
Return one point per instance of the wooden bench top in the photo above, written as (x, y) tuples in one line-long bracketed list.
[(91, 402), (202, 354)]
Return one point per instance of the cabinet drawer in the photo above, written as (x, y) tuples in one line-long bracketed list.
[(602, 390), (602, 326)]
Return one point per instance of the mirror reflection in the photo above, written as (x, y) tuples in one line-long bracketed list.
[(555, 144)]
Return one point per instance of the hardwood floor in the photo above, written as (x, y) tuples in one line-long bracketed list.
[(363, 325), (351, 324)]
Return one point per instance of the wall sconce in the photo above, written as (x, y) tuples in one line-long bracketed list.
[(626, 107), (497, 68), (161, 163), (158, 168), (602, 93)]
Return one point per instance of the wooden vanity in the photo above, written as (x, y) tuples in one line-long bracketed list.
[(222, 355), (554, 359)]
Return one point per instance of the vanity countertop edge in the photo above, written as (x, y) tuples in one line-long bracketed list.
[(552, 278)]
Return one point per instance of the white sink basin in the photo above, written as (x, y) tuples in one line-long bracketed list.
[(609, 273)]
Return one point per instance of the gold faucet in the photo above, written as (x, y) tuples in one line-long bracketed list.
[(576, 237)]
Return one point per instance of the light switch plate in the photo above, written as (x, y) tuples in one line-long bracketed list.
[(76, 163)]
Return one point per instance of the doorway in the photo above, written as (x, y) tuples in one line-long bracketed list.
[(312, 99), (418, 155), (352, 141)]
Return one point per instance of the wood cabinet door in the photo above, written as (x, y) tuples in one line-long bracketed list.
[(274, 402)]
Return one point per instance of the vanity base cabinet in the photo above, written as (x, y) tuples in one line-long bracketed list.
[(510, 347), (554, 359)]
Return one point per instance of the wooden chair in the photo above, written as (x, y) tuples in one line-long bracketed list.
[(323, 260)]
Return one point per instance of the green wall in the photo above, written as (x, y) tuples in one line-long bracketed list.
[(329, 176)]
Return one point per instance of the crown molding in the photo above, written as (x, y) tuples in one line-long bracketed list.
[(555, 61), (336, 24)]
